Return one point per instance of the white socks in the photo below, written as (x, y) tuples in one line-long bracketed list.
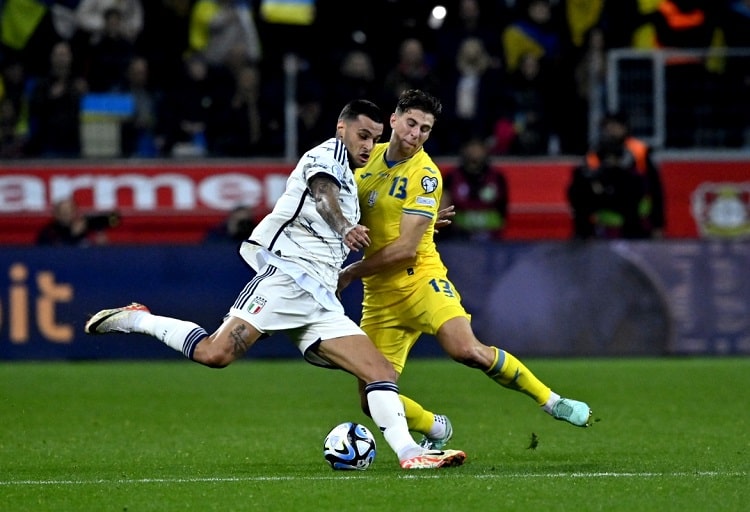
[(552, 400), (438, 427), (180, 335), (387, 412)]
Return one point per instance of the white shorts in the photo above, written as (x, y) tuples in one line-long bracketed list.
[(274, 303)]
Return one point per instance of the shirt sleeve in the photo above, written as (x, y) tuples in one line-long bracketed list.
[(424, 189)]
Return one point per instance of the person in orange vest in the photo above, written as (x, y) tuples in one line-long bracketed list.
[(605, 193), (614, 130)]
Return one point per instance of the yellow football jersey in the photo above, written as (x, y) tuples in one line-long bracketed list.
[(413, 186)]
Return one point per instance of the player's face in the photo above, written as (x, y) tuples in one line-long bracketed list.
[(359, 137), (410, 130)]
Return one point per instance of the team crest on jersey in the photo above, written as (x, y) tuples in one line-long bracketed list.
[(256, 305), (371, 198), (429, 184)]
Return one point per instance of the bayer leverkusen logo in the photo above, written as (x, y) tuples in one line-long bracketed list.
[(722, 210)]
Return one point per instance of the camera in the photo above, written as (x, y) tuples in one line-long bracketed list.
[(103, 220)]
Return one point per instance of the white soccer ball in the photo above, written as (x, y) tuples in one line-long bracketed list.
[(349, 446)]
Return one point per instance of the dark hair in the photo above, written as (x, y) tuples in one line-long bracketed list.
[(357, 108), (419, 100), (616, 116)]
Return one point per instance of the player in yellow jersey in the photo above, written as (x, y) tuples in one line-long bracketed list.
[(406, 287)]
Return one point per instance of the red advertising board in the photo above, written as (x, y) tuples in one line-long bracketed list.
[(176, 202), (707, 198), (158, 202)]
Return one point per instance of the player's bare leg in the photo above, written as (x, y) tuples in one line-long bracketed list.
[(459, 342), (227, 344)]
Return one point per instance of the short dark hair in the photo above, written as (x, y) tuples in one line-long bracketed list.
[(361, 107), (420, 100), (615, 116)]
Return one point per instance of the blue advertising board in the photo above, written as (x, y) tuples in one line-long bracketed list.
[(546, 298)]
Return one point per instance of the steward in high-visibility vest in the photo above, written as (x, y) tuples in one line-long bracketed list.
[(604, 195), (614, 127)]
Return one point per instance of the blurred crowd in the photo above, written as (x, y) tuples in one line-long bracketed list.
[(207, 77)]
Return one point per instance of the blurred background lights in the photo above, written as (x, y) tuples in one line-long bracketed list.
[(437, 17)]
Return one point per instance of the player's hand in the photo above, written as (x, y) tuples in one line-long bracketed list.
[(356, 237), (444, 217)]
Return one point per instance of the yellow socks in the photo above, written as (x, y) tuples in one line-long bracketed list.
[(511, 373), (506, 370), (418, 419)]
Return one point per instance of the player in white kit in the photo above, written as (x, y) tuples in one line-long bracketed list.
[(297, 251)]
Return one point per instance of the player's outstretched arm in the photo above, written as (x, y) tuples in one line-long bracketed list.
[(326, 194)]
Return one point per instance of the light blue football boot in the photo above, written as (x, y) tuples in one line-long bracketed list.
[(574, 412), (438, 443)]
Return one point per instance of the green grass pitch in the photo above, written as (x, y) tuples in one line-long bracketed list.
[(671, 434)]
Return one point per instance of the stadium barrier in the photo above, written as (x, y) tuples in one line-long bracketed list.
[(178, 201), (556, 298)]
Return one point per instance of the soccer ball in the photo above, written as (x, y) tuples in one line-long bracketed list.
[(349, 446)]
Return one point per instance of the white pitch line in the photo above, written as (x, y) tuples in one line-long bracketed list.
[(125, 481)]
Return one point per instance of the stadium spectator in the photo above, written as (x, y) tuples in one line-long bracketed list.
[(218, 27), (13, 82), (469, 19), (14, 108), (32, 28), (91, 18), (407, 291), (534, 31), (12, 142), (109, 55), (536, 39), (356, 78), (312, 125), (163, 53), (583, 47), (248, 121), (412, 70), (138, 132), (54, 108), (473, 96), (69, 226), (188, 108), (527, 128), (479, 192), (296, 253)]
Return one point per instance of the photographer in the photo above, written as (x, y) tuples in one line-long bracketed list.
[(70, 227)]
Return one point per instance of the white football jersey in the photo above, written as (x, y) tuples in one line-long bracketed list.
[(295, 232)]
